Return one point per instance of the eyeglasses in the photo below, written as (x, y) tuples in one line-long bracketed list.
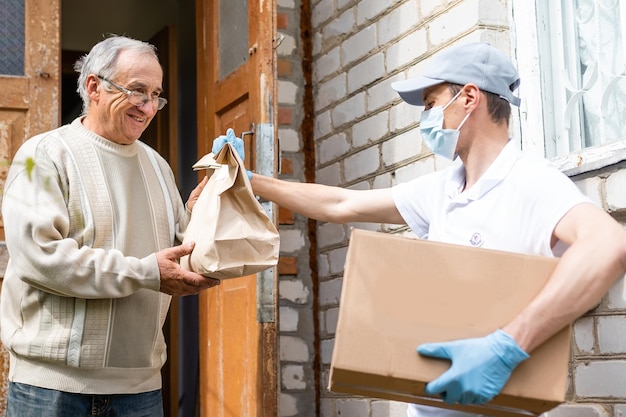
[(137, 98)]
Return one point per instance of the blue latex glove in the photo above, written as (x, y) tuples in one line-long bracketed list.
[(220, 141), (480, 367)]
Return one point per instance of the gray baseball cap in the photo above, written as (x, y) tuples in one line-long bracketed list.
[(479, 63)]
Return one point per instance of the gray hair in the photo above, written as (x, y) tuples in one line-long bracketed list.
[(102, 61)]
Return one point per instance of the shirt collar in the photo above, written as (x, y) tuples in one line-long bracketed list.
[(496, 172)]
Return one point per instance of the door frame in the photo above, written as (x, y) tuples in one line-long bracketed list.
[(263, 24)]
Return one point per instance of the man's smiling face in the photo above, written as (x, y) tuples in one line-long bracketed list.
[(110, 113)]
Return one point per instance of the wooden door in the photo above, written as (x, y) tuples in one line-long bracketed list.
[(236, 89), (30, 98)]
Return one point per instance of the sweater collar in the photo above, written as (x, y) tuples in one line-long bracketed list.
[(103, 143)]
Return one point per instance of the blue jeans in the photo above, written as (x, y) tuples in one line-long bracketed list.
[(29, 401)]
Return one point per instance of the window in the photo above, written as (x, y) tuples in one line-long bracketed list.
[(581, 60), (12, 37)]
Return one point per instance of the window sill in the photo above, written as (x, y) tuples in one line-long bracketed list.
[(591, 159)]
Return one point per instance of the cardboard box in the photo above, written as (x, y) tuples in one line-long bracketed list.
[(399, 293)]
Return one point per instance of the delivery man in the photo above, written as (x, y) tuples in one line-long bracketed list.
[(497, 198)]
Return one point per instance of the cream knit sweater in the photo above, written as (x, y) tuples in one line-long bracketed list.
[(80, 309)]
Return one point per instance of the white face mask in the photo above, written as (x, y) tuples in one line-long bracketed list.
[(439, 140)]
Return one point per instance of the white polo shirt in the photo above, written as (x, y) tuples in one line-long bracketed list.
[(514, 207)]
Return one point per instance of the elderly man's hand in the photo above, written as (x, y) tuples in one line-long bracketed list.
[(176, 280), (480, 367), (195, 193)]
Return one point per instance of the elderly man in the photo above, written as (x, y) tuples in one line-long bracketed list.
[(91, 218)]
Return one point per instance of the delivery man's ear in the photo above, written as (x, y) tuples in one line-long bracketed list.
[(471, 96)]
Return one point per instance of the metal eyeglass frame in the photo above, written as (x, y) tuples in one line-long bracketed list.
[(135, 97)]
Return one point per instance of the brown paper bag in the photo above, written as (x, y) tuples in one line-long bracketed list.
[(233, 234)]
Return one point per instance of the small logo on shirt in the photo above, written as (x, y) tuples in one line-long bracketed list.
[(476, 240)]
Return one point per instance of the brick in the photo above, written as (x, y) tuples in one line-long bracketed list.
[(332, 148), (614, 189), (352, 407), (323, 124), (323, 266), (336, 260), (286, 166), (383, 181), (283, 67), (430, 7), (288, 4), (287, 92), (401, 147), (317, 43), (358, 45), (289, 319), (616, 297), (381, 94), (339, 26), (292, 377), (287, 405), (407, 50), (327, 408), (402, 116), (287, 265), (287, 46), (282, 20), (322, 12), (397, 23), (285, 116), (289, 139), (330, 320), (388, 409), (294, 291), (579, 410), (612, 334), (366, 72), (600, 379), (330, 91), (455, 21), (371, 129), (349, 110), (329, 292), (330, 234), (414, 170), (365, 162), (291, 240), (584, 334), (293, 349), (329, 175), (369, 9), (343, 3), (326, 349), (327, 64), (493, 12)]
